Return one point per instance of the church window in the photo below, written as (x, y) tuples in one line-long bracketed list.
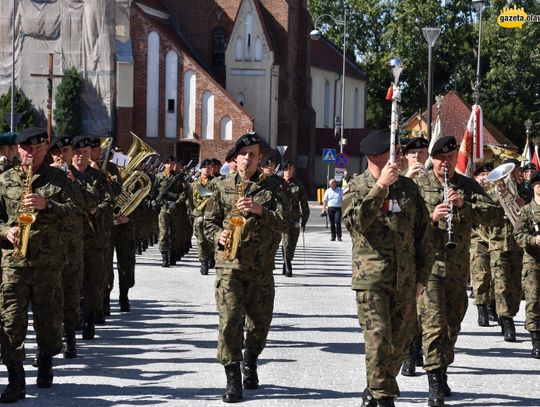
[(208, 115), (152, 85), (249, 34), (258, 49), (171, 90), (225, 128), (190, 87), (219, 44), (241, 98), (239, 49), (326, 101), (356, 108)]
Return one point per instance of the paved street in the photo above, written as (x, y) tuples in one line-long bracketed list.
[(163, 352)]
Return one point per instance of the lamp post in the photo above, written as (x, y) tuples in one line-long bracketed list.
[(478, 6), (12, 116), (430, 35), (316, 35)]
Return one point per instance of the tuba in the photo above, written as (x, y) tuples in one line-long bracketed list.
[(136, 184), (25, 217), (506, 190)]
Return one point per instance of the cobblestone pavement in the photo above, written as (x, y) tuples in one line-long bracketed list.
[(163, 352)]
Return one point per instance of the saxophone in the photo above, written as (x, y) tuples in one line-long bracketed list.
[(236, 223), (25, 217)]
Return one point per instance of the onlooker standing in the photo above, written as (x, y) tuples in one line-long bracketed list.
[(332, 205)]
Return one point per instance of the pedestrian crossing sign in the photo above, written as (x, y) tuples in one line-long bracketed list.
[(329, 155)]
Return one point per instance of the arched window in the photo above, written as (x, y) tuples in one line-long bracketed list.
[(152, 85), (171, 89), (326, 101), (249, 35), (258, 49), (225, 128), (190, 87), (241, 98), (207, 115), (219, 44), (356, 108), (239, 48)]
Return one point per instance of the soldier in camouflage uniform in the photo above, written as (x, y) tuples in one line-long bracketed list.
[(388, 222), (444, 302), (245, 285), (527, 234), (35, 278), (8, 151), (299, 207)]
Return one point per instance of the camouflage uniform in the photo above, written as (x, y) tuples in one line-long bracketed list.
[(444, 302), (171, 208), (480, 268), (390, 256), (246, 284), (5, 164), (198, 204), (36, 279), (299, 207)]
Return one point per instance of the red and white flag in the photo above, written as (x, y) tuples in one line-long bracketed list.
[(534, 159), (472, 145)]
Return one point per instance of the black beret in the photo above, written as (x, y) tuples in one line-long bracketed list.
[(32, 135), (529, 166), (535, 177), (376, 142), (62, 141), (8, 139), (288, 163), (416, 142), (207, 161), (231, 155), (267, 161), (248, 139), (443, 145), (215, 161), (81, 142), (95, 142), (486, 167)]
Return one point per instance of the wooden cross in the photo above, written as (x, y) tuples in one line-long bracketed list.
[(50, 76)]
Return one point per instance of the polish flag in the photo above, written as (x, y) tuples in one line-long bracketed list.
[(472, 145), (534, 159)]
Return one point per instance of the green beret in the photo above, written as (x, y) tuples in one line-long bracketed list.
[(8, 139)]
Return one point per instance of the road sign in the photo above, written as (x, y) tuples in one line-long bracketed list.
[(329, 155), (339, 173), (342, 160)]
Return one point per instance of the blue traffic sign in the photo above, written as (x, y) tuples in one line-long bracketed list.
[(329, 155), (342, 160)]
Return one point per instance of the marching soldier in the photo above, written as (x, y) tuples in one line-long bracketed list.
[(245, 283), (124, 243), (388, 223), (299, 215), (525, 187), (8, 151), (444, 301), (34, 277), (527, 234)]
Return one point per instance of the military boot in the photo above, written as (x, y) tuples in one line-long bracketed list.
[(204, 267), (436, 389), (409, 365), (483, 318), (419, 357), (89, 328), (144, 245), (385, 401), (151, 240), (172, 257), (107, 303), (100, 318), (367, 399), (535, 344), (492, 311), (16, 388), (36, 358), (139, 247), (211, 263), (289, 269), (124, 300), (179, 255), (249, 369), (508, 329), (44, 378), (70, 350), (447, 390), (165, 259), (233, 392)]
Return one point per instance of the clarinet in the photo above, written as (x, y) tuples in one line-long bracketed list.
[(449, 228)]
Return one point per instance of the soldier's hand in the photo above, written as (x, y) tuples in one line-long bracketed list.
[(248, 205), (537, 240), (456, 198), (12, 234), (414, 171), (121, 219), (440, 212), (70, 176), (223, 237), (389, 175), (35, 202)]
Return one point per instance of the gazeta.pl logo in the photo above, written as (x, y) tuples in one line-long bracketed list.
[(515, 17)]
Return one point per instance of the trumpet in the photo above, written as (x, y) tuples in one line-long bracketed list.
[(449, 227)]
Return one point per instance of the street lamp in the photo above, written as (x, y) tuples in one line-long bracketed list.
[(316, 35), (478, 6), (430, 35)]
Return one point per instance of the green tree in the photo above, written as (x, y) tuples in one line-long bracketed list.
[(68, 112), (22, 105)]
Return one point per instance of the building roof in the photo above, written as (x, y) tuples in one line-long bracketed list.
[(326, 55), (455, 113)]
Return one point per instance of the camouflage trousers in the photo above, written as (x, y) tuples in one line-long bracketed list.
[(531, 287), (95, 275), (290, 239), (442, 307), (506, 269), (481, 272), (72, 281), (248, 293), (41, 287), (108, 257), (169, 232), (124, 242), (386, 317), (205, 246)]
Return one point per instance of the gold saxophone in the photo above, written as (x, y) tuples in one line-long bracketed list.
[(236, 223), (25, 217)]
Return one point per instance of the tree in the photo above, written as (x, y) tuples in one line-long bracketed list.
[(68, 112), (22, 105)]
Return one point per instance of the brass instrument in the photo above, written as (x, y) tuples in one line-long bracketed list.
[(200, 196), (451, 245), (136, 184), (236, 223), (506, 190), (25, 217)]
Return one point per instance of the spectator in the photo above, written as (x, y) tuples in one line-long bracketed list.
[(332, 206)]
